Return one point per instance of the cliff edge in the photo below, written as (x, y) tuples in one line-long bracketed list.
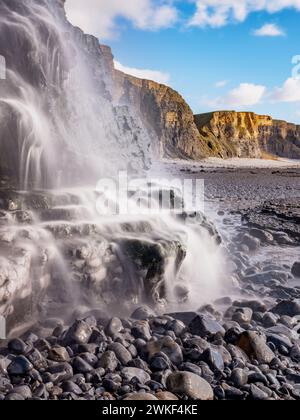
[(248, 135)]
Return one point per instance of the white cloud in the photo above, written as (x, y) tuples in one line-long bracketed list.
[(289, 92), (246, 94), (99, 17), (217, 13), (221, 84), (157, 76), (269, 29)]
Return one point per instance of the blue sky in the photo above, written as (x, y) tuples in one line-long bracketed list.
[(219, 54)]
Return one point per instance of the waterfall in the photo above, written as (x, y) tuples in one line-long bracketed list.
[(61, 131), (57, 89)]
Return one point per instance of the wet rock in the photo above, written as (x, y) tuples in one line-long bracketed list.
[(205, 326), (296, 269), (252, 243), (185, 317), (71, 387), (257, 394), (214, 359), (122, 354), (113, 327), (269, 320), (262, 235), (79, 333), (108, 361), (143, 313), (59, 354), (14, 397), (190, 385), (287, 307), (243, 316), (256, 377), (140, 396), (239, 377), (295, 353), (177, 327), (17, 346), (279, 340), (129, 373), (141, 329), (81, 366), (254, 345), (23, 390), (4, 363), (191, 367), (165, 345), (166, 396), (255, 305), (58, 373), (19, 366), (158, 362), (232, 393)]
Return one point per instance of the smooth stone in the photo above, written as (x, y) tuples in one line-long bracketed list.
[(142, 314), (141, 329), (159, 362), (69, 386), (140, 396), (19, 366), (232, 393), (59, 354), (166, 396), (18, 346), (190, 385), (81, 366), (252, 243), (254, 345), (191, 367), (108, 361), (79, 333), (14, 397), (60, 372), (165, 345), (113, 327), (269, 320), (256, 377), (122, 354), (4, 363), (214, 359), (239, 377), (287, 307), (257, 393), (296, 269), (243, 316), (23, 390), (130, 372), (204, 326), (279, 340), (178, 327), (255, 305)]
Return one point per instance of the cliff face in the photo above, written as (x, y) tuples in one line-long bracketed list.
[(165, 112), (63, 97), (245, 134)]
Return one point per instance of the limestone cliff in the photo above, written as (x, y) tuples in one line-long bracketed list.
[(166, 112), (245, 134)]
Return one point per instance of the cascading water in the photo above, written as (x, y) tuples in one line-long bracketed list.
[(61, 128)]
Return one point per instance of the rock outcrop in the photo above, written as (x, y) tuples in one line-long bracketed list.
[(165, 111), (247, 135)]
